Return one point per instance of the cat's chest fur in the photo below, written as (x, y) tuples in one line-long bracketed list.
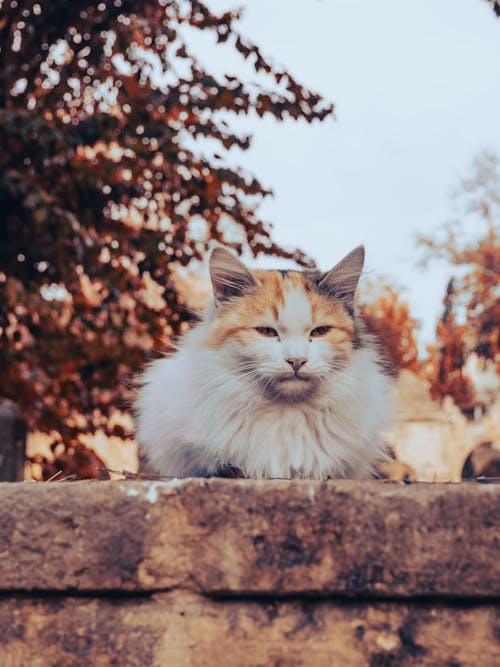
[(284, 441)]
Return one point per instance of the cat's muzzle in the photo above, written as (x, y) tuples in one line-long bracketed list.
[(290, 388)]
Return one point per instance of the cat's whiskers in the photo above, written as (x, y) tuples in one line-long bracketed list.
[(231, 376)]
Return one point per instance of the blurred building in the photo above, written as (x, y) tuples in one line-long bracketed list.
[(435, 439)]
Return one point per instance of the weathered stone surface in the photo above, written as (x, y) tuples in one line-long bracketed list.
[(187, 630), (252, 537)]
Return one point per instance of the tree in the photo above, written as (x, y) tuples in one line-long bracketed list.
[(472, 304), (495, 4), (445, 367), (388, 317), (104, 190)]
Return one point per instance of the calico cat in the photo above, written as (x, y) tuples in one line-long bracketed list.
[(279, 380)]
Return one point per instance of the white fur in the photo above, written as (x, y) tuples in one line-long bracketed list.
[(197, 411)]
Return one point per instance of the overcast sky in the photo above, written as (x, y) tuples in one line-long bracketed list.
[(417, 92)]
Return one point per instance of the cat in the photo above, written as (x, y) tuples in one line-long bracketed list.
[(279, 380)]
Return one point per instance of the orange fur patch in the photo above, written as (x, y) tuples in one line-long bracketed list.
[(262, 308)]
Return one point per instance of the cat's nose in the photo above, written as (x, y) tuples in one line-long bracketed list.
[(296, 363)]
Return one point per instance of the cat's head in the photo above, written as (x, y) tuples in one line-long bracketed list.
[(285, 331)]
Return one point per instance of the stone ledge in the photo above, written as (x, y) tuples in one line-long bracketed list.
[(238, 537), (188, 630)]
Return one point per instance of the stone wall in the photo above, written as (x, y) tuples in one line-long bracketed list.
[(249, 573)]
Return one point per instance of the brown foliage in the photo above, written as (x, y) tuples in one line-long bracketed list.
[(102, 194), (444, 369), (471, 318), (495, 4), (74, 462), (387, 316)]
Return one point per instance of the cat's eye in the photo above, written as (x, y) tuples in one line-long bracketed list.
[(320, 331), (267, 331)]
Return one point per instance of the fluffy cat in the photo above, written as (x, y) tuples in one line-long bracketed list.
[(278, 380)]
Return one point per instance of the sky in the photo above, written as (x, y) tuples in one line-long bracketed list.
[(416, 88)]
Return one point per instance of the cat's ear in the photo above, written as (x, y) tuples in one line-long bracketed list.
[(342, 280), (230, 277)]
